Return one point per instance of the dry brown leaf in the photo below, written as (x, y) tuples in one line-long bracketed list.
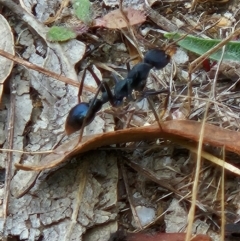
[(26, 6), (167, 237), (224, 22), (214, 1), (176, 130), (115, 19), (64, 4), (6, 44), (77, 201)]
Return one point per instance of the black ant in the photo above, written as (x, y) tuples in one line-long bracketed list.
[(83, 113)]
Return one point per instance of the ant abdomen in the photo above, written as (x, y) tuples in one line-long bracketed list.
[(82, 114), (76, 116)]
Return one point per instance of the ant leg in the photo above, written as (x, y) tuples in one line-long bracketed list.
[(154, 112), (116, 79), (107, 94), (166, 102), (97, 80), (90, 109), (95, 104), (81, 85), (78, 114), (68, 128), (128, 66), (145, 94)]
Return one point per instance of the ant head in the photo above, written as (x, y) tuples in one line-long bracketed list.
[(157, 58)]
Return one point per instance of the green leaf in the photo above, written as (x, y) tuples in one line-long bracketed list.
[(83, 10), (201, 46), (60, 34)]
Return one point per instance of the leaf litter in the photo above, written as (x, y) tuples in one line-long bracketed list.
[(7, 44), (70, 201)]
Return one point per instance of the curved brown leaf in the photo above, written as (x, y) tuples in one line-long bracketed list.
[(175, 130), (166, 237)]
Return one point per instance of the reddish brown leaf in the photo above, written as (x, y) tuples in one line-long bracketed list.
[(115, 19), (175, 130), (166, 237)]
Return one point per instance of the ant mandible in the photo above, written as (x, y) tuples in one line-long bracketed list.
[(84, 113)]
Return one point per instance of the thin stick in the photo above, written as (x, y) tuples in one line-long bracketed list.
[(41, 30), (43, 71), (131, 113), (57, 16), (223, 221), (82, 183), (81, 86), (150, 175), (195, 64), (26, 152), (136, 218), (8, 165), (191, 213), (129, 29), (88, 113), (154, 112), (216, 74)]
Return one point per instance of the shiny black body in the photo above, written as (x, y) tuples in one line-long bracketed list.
[(135, 80), (80, 113), (156, 58)]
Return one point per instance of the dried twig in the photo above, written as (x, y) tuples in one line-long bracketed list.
[(8, 174), (135, 216)]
